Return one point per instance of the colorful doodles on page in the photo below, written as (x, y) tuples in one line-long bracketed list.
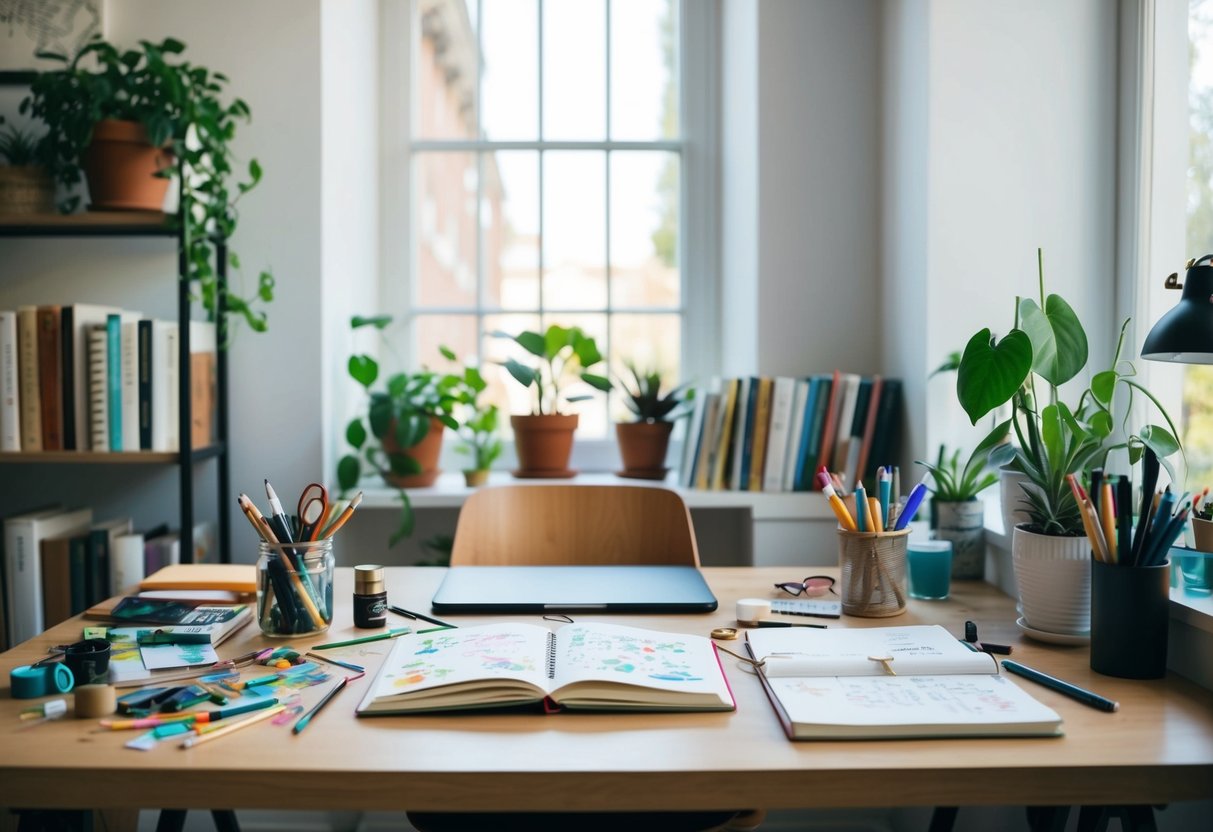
[(665, 660), (443, 656)]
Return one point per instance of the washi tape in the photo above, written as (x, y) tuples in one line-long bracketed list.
[(30, 681), (750, 610), (93, 701)]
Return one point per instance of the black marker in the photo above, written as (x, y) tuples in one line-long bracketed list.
[(1083, 695), (416, 615), (788, 624)]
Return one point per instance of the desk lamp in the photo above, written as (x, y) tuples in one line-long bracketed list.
[(1185, 334)]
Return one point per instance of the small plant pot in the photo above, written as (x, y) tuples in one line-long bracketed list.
[(962, 524), (1202, 531), (544, 444), (26, 190), (121, 166), (425, 452), (643, 446), (475, 479), (1054, 579)]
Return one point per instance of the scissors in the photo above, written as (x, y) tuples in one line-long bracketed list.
[(314, 510)]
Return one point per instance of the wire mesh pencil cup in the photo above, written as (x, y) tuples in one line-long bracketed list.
[(873, 572), (295, 587)]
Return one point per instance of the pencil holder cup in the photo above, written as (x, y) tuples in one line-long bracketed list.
[(1130, 610), (295, 587), (873, 570)]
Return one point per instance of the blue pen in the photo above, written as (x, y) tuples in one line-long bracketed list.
[(911, 508), (861, 507), (885, 486)]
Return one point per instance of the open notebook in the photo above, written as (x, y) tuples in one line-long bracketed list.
[(839, 684), (591, 666)]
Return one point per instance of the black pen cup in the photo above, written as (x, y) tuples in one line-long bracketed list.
[(89, 661), (295, 588), (1130, 610)]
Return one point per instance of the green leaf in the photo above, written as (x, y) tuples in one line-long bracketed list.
[(597, 382), (407, 519), (403, 465), (348, 472), (446, 352), (377, 321), (363, 369), (379, 414), (586, 350), (532, 342), (990, 373), (355, 433), (1159, 440), (1103, 385), (1059, 343), (555, 339), (1101, 423), (524, 374)]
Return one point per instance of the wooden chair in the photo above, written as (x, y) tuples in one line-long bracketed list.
[(574, 524), (578, 524)]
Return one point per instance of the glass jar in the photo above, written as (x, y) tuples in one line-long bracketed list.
[(295, 587)]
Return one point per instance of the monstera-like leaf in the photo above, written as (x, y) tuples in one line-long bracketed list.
[(1059, 343), (991, 372)]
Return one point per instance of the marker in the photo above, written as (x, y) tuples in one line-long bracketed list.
[(324, 700), (911, 507), (1083, 695), (377, 637), (788, 624), (416, 615), (338, 662)]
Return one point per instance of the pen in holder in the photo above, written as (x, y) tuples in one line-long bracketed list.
[(295, 587), (873, 570)]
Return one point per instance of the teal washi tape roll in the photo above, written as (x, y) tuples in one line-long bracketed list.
[(30, 682)]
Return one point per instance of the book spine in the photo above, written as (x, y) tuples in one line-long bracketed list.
[(27, 377), (126, 562), (56, 580), (747, 441), (791, 457), (782, 397), (50, 382), (113, 384), (67, 377), (10, 401), (720, 460), (78, 567), (690, 447), (130, 385), (98, 388), (762, 421), (172, 388), (144, 332), (23, 573), (97, 575), (739, 435), (711, 426), (826, 446), (869, 430)]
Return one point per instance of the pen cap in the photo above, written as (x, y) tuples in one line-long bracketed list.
[(368, 579)]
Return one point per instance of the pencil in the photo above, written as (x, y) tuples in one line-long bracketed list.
[(415, 615), (206, 733), (341, 518), (324, 700), (400, 631), (1107, 516)]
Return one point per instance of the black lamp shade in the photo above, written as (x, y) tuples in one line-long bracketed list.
[(1185, 334)]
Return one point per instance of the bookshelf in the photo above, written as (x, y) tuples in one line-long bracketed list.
[(148, 224)]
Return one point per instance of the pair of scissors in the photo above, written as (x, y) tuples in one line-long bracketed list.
[(314, 510)]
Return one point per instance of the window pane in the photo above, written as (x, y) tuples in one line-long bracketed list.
[(574, 233), (510, 86), (511, 241), (644, 229), (651, 343), (444, 70), (574, 70), (458, 332), (444, 216), (644, 66), (1198, 381)]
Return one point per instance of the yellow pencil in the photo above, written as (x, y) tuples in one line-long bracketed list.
[(1108, 518), (840, 509), (341, 518), (875, 518), (214, 731)]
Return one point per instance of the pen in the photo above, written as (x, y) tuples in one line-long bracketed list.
[(861, 507), (1083, 695), (911, 507), (341, 518), (338, 662), (789, 624), (884, 487), (411, 614), (205, 735), (377, 637), (1124, 518), (324, 700)]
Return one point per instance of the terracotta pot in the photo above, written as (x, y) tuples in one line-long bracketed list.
[(643, 447), (1202, 531), (26, 190), (544, 444), (121, 167), (425, 452), (475, 479)]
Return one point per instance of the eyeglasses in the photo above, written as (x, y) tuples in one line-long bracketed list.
[(812, 585)]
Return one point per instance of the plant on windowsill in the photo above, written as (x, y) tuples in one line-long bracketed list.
[(544, 438), (399, 436), (140, 117), (1047, 348), (644, 441), (25, 186), (479, 433)]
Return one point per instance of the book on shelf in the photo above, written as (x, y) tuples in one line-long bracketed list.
[(744, 416), (128, 351), (113, 381), (23, 536), (97, 373), (27, 378), (762, 421), (838, 684), (707, 438), (10, 402), (815, 409), (783, 396), (728, 418), (203, 380), (76, 320), (690, 443), (869, 434), (792, 456), (579, 666), (886, 434), (64, 560), (50, 378), (746, 447)]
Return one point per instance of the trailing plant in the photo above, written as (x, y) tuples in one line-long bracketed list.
[(565, 354), (181, 107), (643, 397), (1047, 348), (954, 483)]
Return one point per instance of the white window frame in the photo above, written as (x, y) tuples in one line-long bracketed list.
[(699, 247)]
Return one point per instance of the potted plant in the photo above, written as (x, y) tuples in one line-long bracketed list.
[(399, 435), (1202, 526), (480, 430), (644, 441), (25, 186), (1046, 348), (544, 438), (139, 117), (958, 514)]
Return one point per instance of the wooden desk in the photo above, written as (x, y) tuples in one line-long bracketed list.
[(1157, 749)]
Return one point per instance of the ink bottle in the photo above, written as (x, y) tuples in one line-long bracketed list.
[(370, 596)]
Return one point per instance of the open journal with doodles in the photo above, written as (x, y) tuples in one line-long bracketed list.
[(579, 666), (880, 682)]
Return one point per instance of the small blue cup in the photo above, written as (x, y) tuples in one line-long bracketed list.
[(930, 564)]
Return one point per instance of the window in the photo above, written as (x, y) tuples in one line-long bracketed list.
[(1198, 379), (550, 154)]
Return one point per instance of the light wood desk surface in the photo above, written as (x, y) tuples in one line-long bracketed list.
[(1157, 749)]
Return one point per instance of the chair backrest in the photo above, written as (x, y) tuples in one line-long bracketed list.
[(574, 524)]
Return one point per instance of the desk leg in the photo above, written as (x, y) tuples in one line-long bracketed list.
[(171, 820), (943, 819), (54, 820), (1132, 818), (1048, 818)]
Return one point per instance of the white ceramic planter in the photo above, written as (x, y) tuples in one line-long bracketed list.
[(962, 523), (1054, 579)]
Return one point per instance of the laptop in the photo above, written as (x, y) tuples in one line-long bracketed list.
[(479, 589)]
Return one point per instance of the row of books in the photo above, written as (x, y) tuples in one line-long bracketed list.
[(83, 377), (773, 434), (59, 562)]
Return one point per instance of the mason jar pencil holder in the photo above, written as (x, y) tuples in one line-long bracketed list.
[(295, 587), (873, 572)]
